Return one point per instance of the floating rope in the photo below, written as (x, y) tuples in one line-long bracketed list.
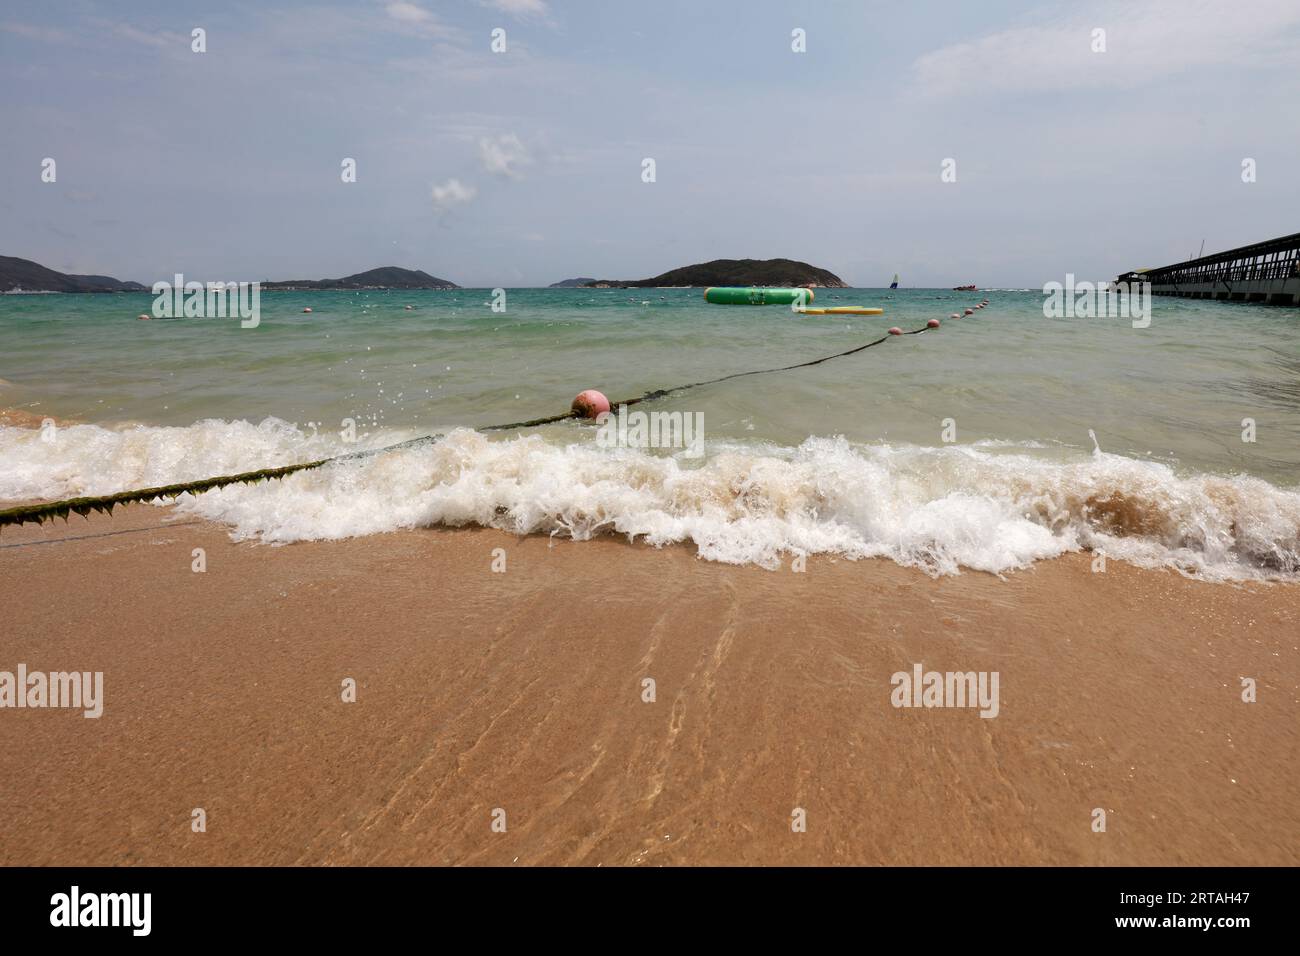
[(104, 504)]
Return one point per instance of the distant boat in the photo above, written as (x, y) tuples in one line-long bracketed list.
[(894, 284), (965, 288)]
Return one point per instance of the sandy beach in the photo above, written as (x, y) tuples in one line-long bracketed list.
[(523, 691)]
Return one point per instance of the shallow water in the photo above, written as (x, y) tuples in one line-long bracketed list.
[(848, 456)]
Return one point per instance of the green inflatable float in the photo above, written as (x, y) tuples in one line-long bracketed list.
[(724, 295)]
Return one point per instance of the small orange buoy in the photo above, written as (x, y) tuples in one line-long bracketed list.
[(932, 324), (308, 309), (895, 331), (589, 404)]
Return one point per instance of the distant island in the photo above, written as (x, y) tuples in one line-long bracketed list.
[(737, 272), (23, 275), (385, 277)]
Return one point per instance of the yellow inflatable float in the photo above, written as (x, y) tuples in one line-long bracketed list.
[(842, 310)]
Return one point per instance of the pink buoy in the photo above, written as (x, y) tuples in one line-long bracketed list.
[(143, 316), (970, 311), (932, 324), (954, 316), (589, 404), (308, 309), (895, 331)]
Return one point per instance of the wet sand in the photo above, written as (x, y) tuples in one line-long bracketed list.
[(523, 691)]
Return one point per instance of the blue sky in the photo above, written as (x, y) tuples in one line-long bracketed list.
[(524, 167)]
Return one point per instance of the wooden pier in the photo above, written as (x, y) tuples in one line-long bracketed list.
[(1262, 272)]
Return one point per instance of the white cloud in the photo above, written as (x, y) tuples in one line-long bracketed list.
[(413, 17), (408, 12), (1144, 43), (452, 193), (518, 8), (31, 32), (503, 155), (161, 40)]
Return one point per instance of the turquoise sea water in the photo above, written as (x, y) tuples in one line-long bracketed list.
[(169, 399)]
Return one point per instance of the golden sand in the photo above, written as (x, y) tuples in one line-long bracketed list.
[(524, 692)]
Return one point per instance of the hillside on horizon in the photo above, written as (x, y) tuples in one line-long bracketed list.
[(24, 275), (735, 272), (385, 277)]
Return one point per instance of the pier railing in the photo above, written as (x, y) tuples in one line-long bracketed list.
[(1265, 270)]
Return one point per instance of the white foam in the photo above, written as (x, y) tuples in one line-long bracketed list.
[(940, 509)]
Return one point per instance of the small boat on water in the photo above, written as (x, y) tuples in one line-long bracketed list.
[(965, 288)]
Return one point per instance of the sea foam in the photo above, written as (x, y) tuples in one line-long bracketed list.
[(940, 509)]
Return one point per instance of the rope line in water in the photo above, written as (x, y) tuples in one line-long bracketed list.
[(105, 504)]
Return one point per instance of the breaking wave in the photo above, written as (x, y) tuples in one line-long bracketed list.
[(986, 507)]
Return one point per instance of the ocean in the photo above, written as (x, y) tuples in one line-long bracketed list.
[(995, 441)]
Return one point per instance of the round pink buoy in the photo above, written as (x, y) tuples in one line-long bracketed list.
[(589, 404), (955, 315), (895, 331), (143, 316), (308, 309), (970, 311), (932, 324)]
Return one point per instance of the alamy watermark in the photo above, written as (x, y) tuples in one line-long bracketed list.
[(922, 688), (1098, 300), (637, 429), (78, 690), (75, 908), (213, 300)]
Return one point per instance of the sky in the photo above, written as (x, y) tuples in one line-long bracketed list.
[(524, 167)]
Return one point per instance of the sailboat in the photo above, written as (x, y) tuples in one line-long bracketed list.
[(894, 284)]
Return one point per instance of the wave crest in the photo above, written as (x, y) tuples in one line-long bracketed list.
[(939, 509)]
